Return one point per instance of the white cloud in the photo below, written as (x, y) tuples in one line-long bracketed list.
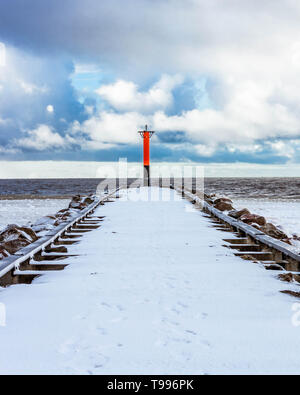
[(208, 130), (252, 110), (245, 149), (249, 51), (205, 150), (89, 110), (30, 88), (285, 148), (8, 150), (246, 117), (42, 138), (125, 95), (107, 130)]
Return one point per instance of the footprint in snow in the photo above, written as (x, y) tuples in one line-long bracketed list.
[(102, 361), (169, 322), (191, 332), (103, 331), (178, 340), (206, 343)]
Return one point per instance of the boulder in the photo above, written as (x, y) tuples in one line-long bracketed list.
[(253, 218), (89, 200), (223, 206), (64, 211), (239, 213), (14, 232), (273, 231), (63, 216), (28, 232), (292, 293), (287, 277), (13, 246), (3, 253), (209, 198), (81, 203), (62, 219), (44, 223), (76, 202), (15, 237), (222, 199), (287, 241)]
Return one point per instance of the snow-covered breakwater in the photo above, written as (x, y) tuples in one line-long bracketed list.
[(284, 214), (278, 219), (189, 306), (16, 235)]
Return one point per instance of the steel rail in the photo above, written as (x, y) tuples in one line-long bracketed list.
[(249, 230), (14, 261)]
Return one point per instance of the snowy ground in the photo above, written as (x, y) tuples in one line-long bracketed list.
[(153, 292), (21, 212), (285, 214)]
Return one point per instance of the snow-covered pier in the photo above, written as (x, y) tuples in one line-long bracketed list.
[(152, 290)]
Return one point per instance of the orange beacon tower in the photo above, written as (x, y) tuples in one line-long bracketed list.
[(146, 135)]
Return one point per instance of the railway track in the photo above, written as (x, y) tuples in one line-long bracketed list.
[(49, 252), (248, 242)]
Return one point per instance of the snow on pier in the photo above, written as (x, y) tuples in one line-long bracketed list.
[(152, 292)]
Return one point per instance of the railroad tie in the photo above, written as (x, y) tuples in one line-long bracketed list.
[(47, 253), (249, 243)]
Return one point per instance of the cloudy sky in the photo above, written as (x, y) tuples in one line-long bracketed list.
[(218, 80)]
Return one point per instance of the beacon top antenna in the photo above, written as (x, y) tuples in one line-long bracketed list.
[(143, 132), (146, 135)]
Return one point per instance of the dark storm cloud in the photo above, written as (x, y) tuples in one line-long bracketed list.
[(248, 54), (165, 34), (28, 86), (97, 30)]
